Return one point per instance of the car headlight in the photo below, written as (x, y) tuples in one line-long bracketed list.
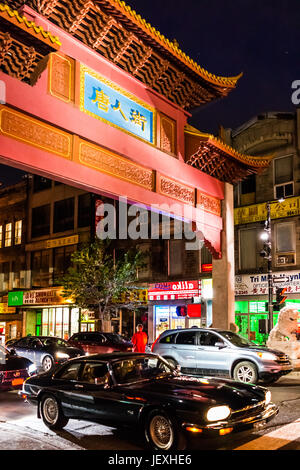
[(32, 369), (267, 356), (62, 355), (268, 397), (217, 413)]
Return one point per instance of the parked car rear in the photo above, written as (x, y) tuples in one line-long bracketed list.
[(94, 342), (214, 352)]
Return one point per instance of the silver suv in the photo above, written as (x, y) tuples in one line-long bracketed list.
[(214, 352)]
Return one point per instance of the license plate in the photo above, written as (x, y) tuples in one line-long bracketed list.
[(17, 382), (260, 425)]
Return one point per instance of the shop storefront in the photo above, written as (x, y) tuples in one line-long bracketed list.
[(46, 312), (10, 323), (174, 305), (251, 306)]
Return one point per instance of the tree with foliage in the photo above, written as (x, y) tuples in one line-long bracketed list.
[(96, 281)]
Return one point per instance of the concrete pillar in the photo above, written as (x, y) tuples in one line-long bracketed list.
[(223, 269)]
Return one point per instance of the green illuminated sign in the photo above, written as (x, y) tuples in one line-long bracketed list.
[(15, 298)]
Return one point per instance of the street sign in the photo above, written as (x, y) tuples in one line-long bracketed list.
[(280, 279)]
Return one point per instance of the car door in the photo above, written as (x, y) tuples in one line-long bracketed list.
[(21, 347), (35, 347), (64, 384), (93, 397), (184, 349), (212, 359)]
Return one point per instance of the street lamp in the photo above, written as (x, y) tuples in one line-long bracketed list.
[(266, 253)]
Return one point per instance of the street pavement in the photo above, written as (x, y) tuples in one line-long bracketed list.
[(20, 428)]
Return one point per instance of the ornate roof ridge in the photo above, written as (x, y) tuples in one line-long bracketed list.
[(31, 25), (249, 160), (228, 82)]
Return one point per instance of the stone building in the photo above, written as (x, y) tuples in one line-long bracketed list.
[(276, 134)]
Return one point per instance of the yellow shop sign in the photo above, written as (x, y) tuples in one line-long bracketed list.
[(258, 212)]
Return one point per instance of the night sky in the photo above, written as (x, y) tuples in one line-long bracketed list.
[(260, 38)]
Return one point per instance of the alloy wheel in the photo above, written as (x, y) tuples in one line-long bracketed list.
[(47, 363), (245, 374)]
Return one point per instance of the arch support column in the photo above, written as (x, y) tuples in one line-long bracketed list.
[(223, 272)]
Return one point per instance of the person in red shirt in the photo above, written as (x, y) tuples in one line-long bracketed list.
[(139, 340)]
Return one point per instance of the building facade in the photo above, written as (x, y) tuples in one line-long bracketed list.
[(278, 135)]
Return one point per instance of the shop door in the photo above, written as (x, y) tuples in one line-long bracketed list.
[(241, 322), (258, 328)]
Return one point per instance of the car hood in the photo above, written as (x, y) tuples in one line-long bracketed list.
[(262, 349), (202, 390), (15, 363), (72, 351)]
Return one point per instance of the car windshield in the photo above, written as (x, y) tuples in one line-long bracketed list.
[(115, 338), (141, 368), (55, 341), (237, 340)]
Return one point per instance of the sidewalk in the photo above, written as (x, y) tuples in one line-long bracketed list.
[(15, 437)]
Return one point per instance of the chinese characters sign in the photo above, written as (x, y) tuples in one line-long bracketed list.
[(257, 284), (104, 100), (258, 212)]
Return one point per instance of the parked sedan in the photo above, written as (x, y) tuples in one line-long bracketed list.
[(145, 391), (13, 370), (44, 351), (94, 342)]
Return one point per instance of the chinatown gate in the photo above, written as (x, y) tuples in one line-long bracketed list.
[(93, 96)]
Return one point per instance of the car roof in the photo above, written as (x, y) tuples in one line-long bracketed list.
[(111, 356), (179, 330)]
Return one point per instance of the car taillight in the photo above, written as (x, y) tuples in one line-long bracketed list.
[(154, 343)]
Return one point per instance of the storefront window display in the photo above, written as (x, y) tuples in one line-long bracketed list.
[(60, 321), (251, 318), (166, 318)]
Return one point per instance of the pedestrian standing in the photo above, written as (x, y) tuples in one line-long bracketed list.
[(139, 339)]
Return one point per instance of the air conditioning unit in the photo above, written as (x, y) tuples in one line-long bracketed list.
[(285, 259)]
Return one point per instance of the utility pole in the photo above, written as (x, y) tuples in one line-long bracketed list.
[(270, 274), (267, 254)]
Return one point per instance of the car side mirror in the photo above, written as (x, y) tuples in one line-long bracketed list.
[(12, 352), (220, 345)]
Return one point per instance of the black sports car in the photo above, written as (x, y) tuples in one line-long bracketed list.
[(44, 351), (13, 370), (144, 390)]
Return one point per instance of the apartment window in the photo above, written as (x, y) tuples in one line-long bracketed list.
[(64, 215), (40, 268), (40, 224), (8, 234), (283, 177), (285, 237), (1, 236), (175, 257), (249, 239), (84, 210), (5, 277), (18, 232), (62, 261)]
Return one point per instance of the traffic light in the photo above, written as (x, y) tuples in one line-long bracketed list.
[(280, 298), (181, 311)]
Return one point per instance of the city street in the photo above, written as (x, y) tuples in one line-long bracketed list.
[(20, 429)]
